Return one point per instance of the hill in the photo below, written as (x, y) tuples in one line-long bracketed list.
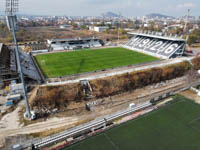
[(111, 15), (157, 15)]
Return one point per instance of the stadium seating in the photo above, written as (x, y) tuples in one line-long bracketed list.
[(8, 64), (4, 56), (70, 44), (95, 44), (28, 66), (156, 45)]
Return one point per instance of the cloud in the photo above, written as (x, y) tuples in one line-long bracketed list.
[(187, 5)]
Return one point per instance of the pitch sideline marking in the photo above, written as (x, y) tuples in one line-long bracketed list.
[(109, 139)]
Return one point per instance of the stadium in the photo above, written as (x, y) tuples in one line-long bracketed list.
[(67, 57), (93, 76), (145, 48), (92, 94), (80, 76)]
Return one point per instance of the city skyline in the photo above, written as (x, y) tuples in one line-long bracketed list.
[(97, 7)]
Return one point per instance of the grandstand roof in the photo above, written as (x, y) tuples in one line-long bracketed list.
[(158, 37), (72, 39)]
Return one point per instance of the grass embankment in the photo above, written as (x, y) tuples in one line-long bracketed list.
[(50, 97)]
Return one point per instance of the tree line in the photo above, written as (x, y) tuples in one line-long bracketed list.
[(194, 37)]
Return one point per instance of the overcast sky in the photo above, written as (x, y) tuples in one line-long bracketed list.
[(97, 7)]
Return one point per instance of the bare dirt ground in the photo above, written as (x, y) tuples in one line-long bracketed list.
[(54, 32), (191, 95), (13, 128)]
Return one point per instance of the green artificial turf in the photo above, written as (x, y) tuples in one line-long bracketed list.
[(70, 63), (174, 127)]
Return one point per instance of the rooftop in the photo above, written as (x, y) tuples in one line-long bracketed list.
[(171, 38), (72, 39)]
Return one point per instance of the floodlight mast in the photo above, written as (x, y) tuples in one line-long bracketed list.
[(11, 9), (119, 26)]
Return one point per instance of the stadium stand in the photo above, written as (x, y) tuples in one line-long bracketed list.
[(157, 45), (70, 44), (4, 56), (28, 67), (8, 65)]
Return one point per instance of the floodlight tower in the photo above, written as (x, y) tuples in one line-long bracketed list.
[(11, 9), (119, 25), (103, 16), (187, 20)]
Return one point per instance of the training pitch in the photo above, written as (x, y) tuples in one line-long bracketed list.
[(173, 127), (82, 61)]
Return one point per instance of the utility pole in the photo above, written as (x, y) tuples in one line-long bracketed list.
[(11, 9), (103, 15), (119, 24), (187, 20)]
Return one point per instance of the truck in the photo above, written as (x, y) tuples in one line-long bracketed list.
[(9, 103)]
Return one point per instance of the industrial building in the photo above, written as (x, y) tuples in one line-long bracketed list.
[(98, 28)]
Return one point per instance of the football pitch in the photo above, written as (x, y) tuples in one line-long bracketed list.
[(173, 127), (82, 61)]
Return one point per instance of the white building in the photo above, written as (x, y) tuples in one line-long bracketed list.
[(146, 25), (69, 27), (175, 26), (98, 29)]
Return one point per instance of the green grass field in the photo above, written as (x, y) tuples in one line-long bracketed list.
[(70, 63), (174, 127)]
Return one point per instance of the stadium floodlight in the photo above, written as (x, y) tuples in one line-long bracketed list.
[(11, 9), (186, 20), (119, 26)]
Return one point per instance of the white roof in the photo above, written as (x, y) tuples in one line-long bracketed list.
[(14, 96), (71, 39), (156, 36)]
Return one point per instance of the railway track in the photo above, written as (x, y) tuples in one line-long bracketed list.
[(87, 127)]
